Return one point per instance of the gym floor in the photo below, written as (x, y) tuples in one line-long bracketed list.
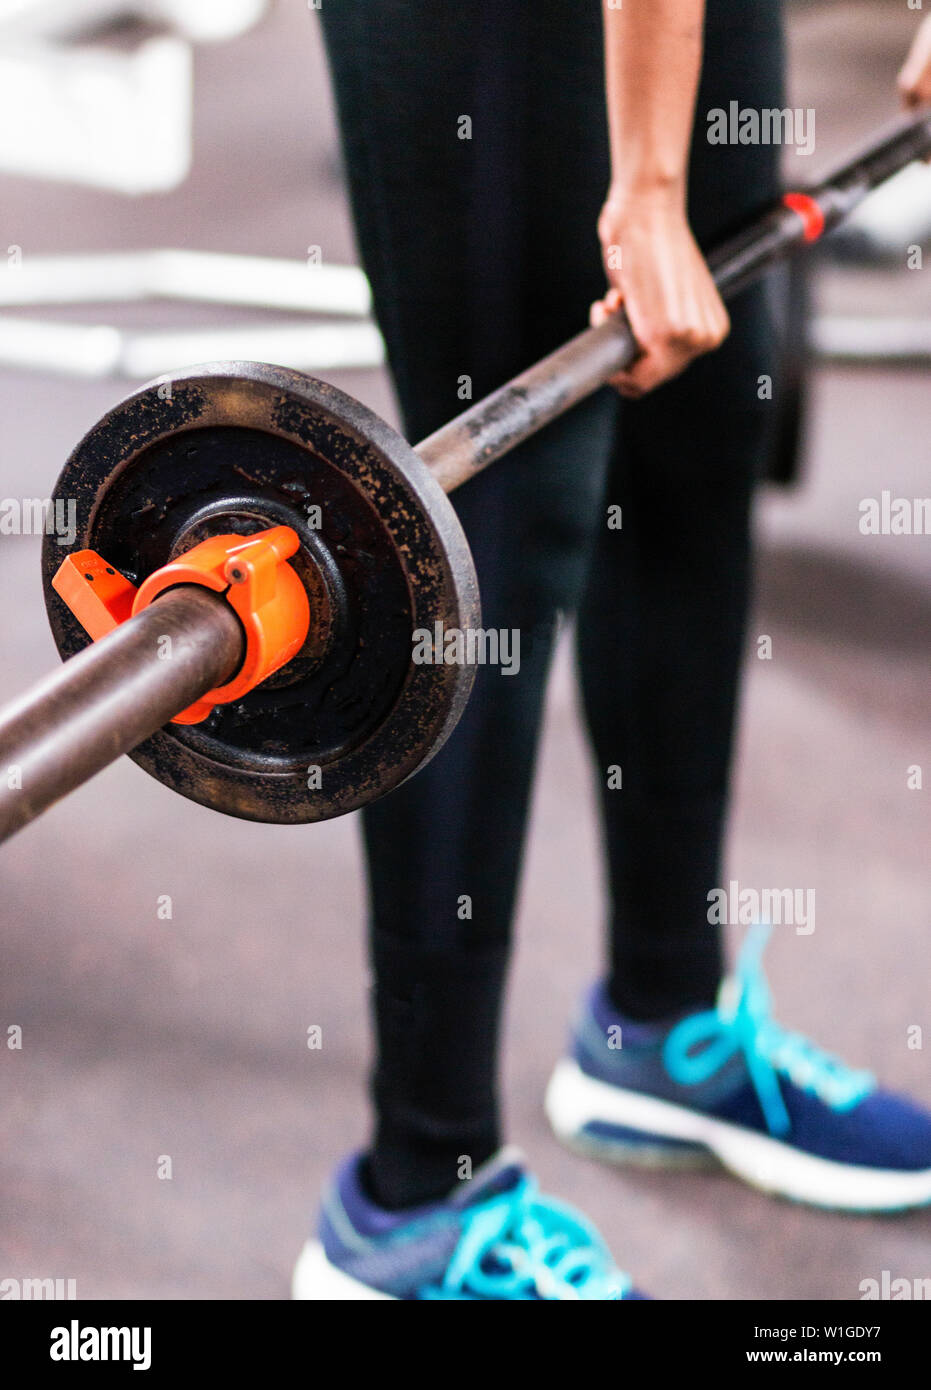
[(187, 1037)]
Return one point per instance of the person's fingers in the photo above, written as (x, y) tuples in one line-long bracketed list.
[(599, 313), (663, 358), (915, 91), (671, 302), (697, 328), (684, 325), (626, 388), (914, 81), (650, 371), (604, 308)]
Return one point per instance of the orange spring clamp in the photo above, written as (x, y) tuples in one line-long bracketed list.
[(251, 571)]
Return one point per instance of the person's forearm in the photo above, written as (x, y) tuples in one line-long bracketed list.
[(653, 57)]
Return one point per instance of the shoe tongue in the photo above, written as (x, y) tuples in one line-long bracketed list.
[(500, 1173)]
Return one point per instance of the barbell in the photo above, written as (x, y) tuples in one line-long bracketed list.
[(254, 551)]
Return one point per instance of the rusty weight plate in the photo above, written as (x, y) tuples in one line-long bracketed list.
[(240, 447)]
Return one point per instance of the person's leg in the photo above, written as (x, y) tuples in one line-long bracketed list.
[(660, 640), (483, 256), (661, 628), (444, 850)]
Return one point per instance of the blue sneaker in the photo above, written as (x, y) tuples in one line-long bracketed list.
[(494, 1237), (731, 1086)]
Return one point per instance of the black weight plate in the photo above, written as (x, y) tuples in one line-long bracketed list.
[(242, 446)]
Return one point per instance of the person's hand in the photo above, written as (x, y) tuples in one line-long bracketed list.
[(915, 77), (657, 272)]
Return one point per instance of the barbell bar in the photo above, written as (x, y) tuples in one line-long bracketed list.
[(220, 457), (493, 426)]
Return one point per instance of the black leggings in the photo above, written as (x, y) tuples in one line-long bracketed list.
[(483, 256)]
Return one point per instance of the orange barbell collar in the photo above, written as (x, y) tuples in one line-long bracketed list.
[(252, 572)]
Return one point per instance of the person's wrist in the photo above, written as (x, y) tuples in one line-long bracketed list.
[(636, 187), (638, 202), (627, 211)]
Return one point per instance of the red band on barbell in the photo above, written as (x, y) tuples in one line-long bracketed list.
[(809, 211)]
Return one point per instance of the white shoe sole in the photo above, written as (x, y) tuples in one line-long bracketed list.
[(315, 1279), (574, 1100)]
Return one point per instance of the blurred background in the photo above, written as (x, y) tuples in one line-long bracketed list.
[(207, 127)]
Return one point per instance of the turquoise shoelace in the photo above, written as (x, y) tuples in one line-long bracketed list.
[(522, 1246), (699, 1046)]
